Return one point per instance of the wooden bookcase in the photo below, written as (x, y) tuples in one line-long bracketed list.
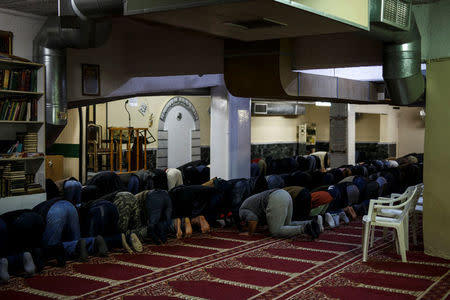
[(22, 121)]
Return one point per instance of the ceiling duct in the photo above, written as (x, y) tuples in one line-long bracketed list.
[(277, 109), (73, 28), (393, 22)]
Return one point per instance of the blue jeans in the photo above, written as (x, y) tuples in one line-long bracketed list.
[(102, 219), (159, 211), (72, 192), (133, 184), (63, 227)]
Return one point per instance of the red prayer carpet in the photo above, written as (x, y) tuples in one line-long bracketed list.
[(226, 265)]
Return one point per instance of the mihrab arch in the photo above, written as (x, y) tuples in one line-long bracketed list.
[(163, 135)]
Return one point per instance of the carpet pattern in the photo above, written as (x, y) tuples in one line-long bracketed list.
[(226, 265)]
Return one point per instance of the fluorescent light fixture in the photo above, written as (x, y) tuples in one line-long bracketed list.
[(320, 103)]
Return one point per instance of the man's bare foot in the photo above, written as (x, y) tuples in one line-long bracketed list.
[(177, 225), (187, 227), (201, 221)]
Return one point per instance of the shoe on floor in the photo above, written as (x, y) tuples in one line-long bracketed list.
[(4, 275), (329, 220), (100, 248), (28, 264), (81, 250), (343, 217), (320, 222), (134, 242), (125, 244)]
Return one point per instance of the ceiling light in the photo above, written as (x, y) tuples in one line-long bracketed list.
[(321, 103)]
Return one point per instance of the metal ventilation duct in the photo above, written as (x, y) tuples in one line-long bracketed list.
[(393, 22), (277, 109), (49, 48)]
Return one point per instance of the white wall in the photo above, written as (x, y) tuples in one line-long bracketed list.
[(24, 27)]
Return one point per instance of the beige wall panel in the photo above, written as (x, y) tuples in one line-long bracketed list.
[(100, 117), (71, 167), (367, 128), (202, 105), (321, 116), (411, 131), (274, 129), (389, 127), (70, 133)]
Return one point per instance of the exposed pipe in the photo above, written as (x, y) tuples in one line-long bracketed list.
[(49, 48), (401, 62)]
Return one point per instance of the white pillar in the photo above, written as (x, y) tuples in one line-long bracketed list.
[(219, 133), (230, 135), (342, 134), (239, 137)]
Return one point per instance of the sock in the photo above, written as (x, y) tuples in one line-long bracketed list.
[(330, 221), (28, 264), (125, 244), (336, 219), (343, 217), (4, 275), (320, 222), (135, 243)]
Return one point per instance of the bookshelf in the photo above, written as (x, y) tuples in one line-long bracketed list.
[(22, 134)]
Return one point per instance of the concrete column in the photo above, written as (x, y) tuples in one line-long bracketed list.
[(436, 204), (342, 134), (230, 135)]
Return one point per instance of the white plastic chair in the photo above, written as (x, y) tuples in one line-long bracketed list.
[(390, 212), (415, 209), (398, 220)]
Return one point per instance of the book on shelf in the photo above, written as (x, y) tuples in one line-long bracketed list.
[(18, 80), (18, 109), (14, 180)]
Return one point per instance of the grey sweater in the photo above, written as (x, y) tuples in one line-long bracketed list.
[(254, 207)]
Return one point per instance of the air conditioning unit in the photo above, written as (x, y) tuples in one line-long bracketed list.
[(393, 14), (277, 108), (259, 108)]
